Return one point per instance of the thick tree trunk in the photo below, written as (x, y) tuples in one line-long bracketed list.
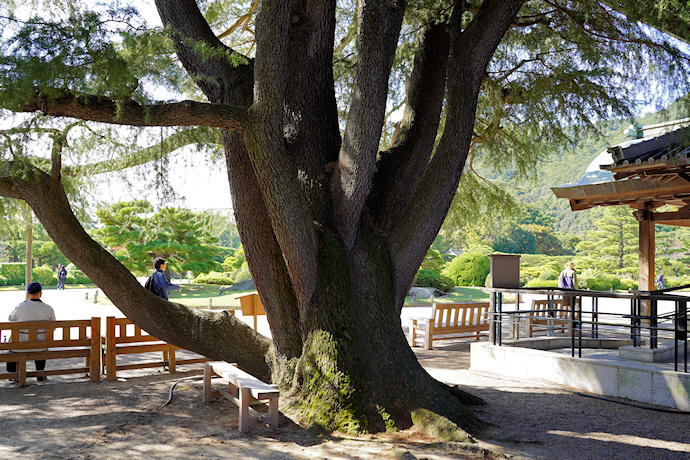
[(357, 371)]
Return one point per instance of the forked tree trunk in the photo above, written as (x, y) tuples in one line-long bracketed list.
[(356, 371)]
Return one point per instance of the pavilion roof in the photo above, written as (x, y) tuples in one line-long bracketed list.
[(644, 173)]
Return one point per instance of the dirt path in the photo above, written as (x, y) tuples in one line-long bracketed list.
[(124, 419)]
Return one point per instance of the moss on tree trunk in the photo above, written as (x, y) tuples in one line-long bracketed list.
[(357, 372)]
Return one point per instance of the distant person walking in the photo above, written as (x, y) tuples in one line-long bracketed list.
[(660, 284), (568, 280), (161, 285), (32, 309), (61, 276), (568, 277)]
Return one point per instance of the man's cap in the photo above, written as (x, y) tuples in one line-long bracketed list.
[(34, 288)]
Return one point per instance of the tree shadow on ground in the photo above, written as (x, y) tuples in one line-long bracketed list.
[(550, 423)]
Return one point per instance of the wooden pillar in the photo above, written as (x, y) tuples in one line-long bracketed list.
[(646, 255), (28, 271)]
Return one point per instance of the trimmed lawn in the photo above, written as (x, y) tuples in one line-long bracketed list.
[(455, 295), (199, 295)]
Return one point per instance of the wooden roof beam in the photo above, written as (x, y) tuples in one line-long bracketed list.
[(665, 217)]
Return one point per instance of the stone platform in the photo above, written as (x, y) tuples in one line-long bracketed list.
[(601, 369)]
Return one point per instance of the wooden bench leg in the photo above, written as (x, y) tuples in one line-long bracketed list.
[(428, 336), (208, 375), (413, 333), (171, 361), (244, 409), (21, 368), (273, 413)]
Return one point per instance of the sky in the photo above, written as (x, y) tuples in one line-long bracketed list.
[(199, 184)]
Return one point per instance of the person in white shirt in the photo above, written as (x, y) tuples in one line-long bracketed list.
[(32, 309)]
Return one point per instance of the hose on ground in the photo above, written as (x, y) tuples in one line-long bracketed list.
[(172, 388)]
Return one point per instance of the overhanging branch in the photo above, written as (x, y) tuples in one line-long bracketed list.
[(144, 155), (130, 113)]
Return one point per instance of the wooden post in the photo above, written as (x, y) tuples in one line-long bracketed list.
[(29, 246), (95, 364), (646, 255), (110, 351)]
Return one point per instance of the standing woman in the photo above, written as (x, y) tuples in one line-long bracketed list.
[(62, 277)]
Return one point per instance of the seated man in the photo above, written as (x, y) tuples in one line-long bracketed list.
[(32, 309)]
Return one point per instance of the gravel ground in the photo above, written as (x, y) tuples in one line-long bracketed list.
[(63, 418), (69, 417)]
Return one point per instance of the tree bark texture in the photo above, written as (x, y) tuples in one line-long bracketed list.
[(333, 230)]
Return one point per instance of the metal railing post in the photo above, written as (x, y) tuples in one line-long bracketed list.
[(595, 317), (653, 333)]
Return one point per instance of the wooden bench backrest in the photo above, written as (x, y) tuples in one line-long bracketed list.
[(542, 307), (124, 338), (58, 334), (460, 314), (122, 330)]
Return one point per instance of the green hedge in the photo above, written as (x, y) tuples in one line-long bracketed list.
[(14, 273), (542, 283), (215, 278), (600, 282), (433, 279)]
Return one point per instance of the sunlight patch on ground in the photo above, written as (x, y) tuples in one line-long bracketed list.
[(627, 439)]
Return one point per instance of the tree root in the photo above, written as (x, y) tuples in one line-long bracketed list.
[(439, 426)]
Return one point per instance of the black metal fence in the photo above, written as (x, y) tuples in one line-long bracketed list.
[(644, 326)]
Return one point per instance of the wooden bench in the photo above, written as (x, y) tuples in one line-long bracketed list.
[(123, 337), (450, 321), (243, 390), (547, 315), (61, 340)]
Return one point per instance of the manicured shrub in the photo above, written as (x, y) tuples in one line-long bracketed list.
[(598, 281), (75, 276), (242, 274), (44, 275), (468, 269), (433, 279), (214, 278), (542, 283), (627, 283), (549, 275), (14, 272)]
